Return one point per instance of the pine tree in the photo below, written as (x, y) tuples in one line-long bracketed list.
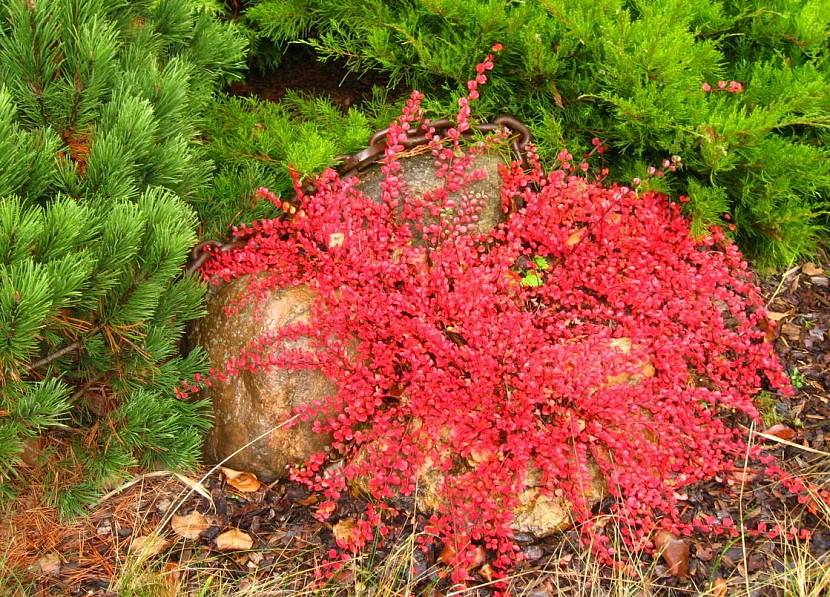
[(100, 107), (632, 74)]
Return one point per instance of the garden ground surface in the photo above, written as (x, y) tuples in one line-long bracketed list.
[(97, 555)]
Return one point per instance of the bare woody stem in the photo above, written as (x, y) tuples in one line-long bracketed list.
[(63, 351), (55, 355)]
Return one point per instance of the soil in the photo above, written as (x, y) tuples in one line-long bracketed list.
[(300, 71)]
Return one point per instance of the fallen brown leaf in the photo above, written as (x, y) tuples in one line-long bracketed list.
[(49, 564), (781, 432), (811, 269), (776, 316), (149, 545), (719, 588), (308, 500), (743, 475), (234, 539), (190, 526), (769, 327), (575, 237), (447, 554), (173, 577), (791, 331), (486, 572), (255, 559), (674, 551), (241, 481), (345, 532), (479, 557), (703, 553)]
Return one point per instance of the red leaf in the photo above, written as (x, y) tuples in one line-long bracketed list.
[(781, 432)]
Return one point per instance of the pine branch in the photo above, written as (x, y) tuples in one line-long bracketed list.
[(99, 150), (63, 351), (82, 390)]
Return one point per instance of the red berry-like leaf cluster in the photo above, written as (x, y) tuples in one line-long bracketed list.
[(728, 87), (637, 349)]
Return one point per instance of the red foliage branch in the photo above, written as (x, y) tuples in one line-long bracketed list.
[(442, 357)]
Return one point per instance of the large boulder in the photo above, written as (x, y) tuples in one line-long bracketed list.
[(541, 514), (249, 404), (418, 173), (252, 403)]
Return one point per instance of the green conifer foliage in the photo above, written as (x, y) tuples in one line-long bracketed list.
[(100, 107), (252, 141), (631, 73)]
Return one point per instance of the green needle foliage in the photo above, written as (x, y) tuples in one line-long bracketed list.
[(253, 141), (631, 73), (100, 107)]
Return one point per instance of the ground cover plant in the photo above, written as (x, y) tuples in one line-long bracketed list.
[(591, 329), (739, 89), (100, 104)]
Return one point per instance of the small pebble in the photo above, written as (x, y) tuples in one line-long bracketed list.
[(816, 333), (533, 553), (163, 505)]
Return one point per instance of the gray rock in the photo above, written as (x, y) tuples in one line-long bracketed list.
[(533, 553)]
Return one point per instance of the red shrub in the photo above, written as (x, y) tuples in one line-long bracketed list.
[(443, 355)]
